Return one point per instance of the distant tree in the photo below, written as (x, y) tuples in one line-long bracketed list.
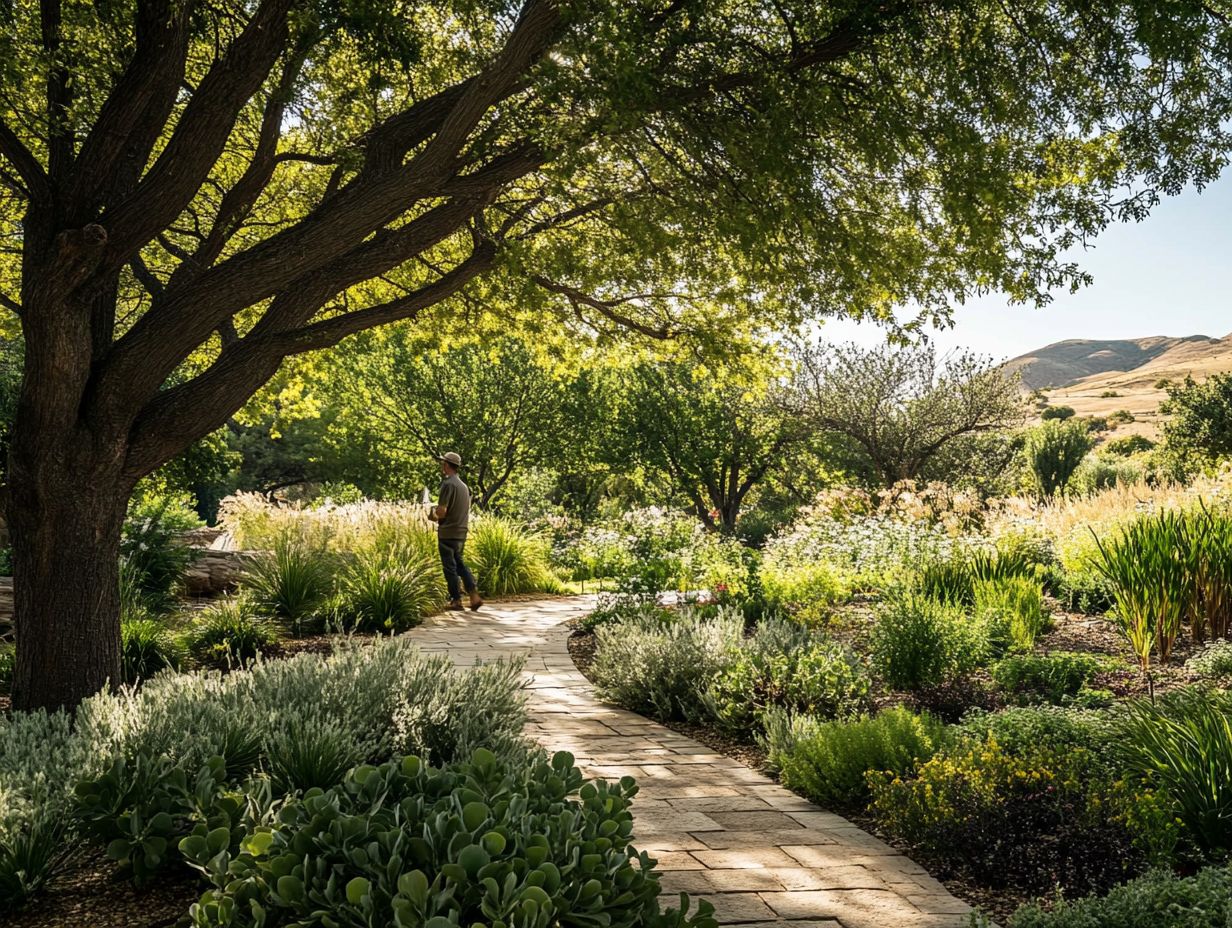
[(1200, 417), (715, 436), (1129, 444), (494, 403), (902, 405), (1054, 450), (1056, 412)]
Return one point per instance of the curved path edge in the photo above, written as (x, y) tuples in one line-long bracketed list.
[(720, 830)]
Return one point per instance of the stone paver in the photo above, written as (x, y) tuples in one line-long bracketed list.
[(720, 831)]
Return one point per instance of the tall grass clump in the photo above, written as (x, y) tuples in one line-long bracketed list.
[(386, 592), (1181, 744), (1148, 567), (146, 647), (507, 559), (1012, 609), (230, 632), (292, 582)]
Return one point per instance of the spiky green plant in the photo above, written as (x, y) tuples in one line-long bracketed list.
[(146, 647), (292, 582), (508, 559), (1147, 565), (1013, 607), (231, 631), (383, 592), (1182, 745)]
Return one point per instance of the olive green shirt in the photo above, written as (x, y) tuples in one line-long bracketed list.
[(456, 498)]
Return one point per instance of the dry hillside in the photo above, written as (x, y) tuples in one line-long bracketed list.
[(1083, 373)]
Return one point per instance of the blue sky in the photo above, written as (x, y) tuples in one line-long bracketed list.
[(1168, 275)]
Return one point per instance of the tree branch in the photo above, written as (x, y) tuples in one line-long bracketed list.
[(606, 308), (32, 175)]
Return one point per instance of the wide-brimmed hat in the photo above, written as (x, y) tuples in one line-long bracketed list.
[(451, 457)]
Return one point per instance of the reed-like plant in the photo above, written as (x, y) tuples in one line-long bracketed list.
[(1013, 608), (1211, 541), (1182, 745), (1148, 566), (386, 592)]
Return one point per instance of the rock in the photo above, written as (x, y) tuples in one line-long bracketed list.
[(214, 572)]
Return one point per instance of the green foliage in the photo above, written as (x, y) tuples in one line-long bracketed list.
[(1108, 394), (1213, 661), (28, 859), (1210, 544), (918, 642), (1158, 899), (292, 582), (408, 844), (1022, 730), (1030, 821), (8, 666), (1054, 450), (829, 764), (661, 664), (151, 547), (806, 591), (1121, 417), (1012, 610), (1053, 678), (1148, 567), (1101, 472), (792, 668), (508, 559), (230, 632), (1056, 412), (1128, 444), (386, 592), (146, 647), (1181, 745), (303, 755), (1199, 417)]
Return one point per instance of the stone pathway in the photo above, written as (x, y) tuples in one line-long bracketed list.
[(720, 831)]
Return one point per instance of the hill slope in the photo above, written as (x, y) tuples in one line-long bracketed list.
[(1063, 363), (1100, 377)]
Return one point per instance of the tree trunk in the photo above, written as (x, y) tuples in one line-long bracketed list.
[(65, 514)]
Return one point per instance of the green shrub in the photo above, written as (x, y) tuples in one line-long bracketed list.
[(1054, 450), (1032, 822), (146, 647), (829, 764), (292, 582), (1128, 444), (1121, 416), (230, 632), (661, 665), (1213, 661), (1021, 731), (407, 844), (507, 559), (1054, 678), (381, 592), (28, 859), (151, 546), (790, 667), (1101, 472), (781, 731), (1158, 899), (918, 642), (1181, 744), (1056, 412), (1148, 566), (302, 756), (1012, 609)]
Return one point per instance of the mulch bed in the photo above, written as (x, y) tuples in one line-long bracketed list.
[(90, 893)]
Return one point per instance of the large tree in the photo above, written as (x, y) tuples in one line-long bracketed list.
[(901, 404), (194, 192)]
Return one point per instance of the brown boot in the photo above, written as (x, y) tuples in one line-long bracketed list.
[(476, 601), (455, 605)]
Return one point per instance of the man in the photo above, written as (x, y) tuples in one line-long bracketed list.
[(452, 515)]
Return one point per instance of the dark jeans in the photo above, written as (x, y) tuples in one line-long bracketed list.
[(455, 567)]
